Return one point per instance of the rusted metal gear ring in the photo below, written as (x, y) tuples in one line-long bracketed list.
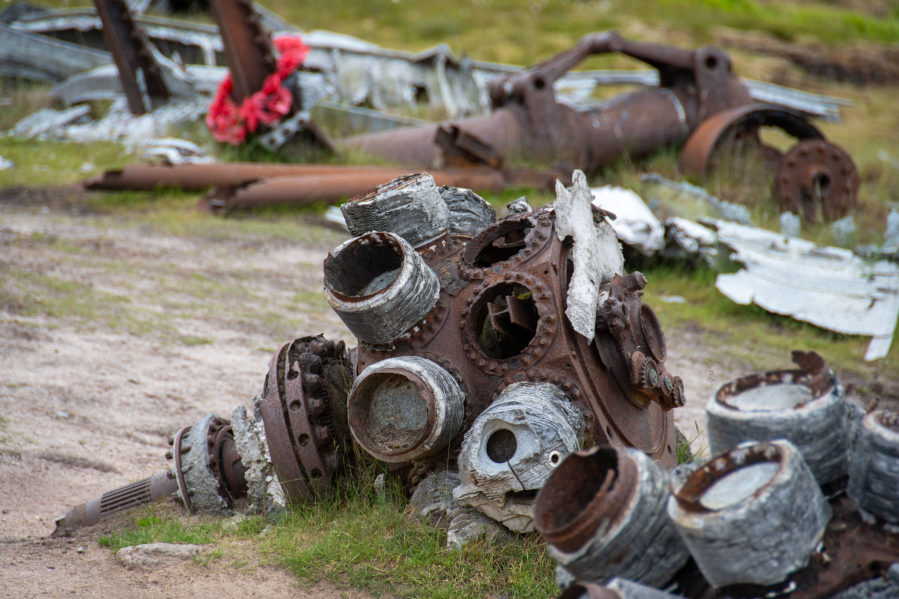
[(817, 178), (298, 416)]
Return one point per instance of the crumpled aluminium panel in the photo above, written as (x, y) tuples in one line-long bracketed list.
[(825, 286)]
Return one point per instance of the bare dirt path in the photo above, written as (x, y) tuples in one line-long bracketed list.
[(114, 335)]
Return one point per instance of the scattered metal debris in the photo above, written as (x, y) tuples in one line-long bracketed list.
[(668, 199), (47, 119), (752, 515), (602, 514), (513, 447), (828, 287), (874, 470), (806, 406), (815, 178), (634, 224), (26, 55)]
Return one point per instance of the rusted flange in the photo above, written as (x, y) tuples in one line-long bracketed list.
[(298, 417), (816, 178), (740, 123), (587, 489)]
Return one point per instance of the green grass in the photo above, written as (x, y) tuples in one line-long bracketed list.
[(150, 528), (355, 539), (749, 334)]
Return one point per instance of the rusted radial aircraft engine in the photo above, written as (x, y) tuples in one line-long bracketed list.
[(445, 327)]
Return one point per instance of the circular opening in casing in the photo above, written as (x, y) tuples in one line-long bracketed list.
[(391, 411), (889, 420), (574, 485), (732, 477), (501, 446), (497, 243), (504, 320), (365, 266)]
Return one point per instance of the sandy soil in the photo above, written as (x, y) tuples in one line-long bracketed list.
[(87, 406)]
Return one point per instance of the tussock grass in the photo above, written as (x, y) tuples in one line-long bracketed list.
[(359, 539)]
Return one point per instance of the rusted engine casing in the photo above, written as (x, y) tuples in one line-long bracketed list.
[(513, 276)]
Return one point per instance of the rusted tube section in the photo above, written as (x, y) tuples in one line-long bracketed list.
[(379, 286), (409, 206), (752, 515), (874, 471), (128, 497), (602, 513), (806, 406), (513, 447), (405, 408), (199, 177)]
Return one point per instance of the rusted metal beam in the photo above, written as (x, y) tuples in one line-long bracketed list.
[(141, 77), (248, 47)]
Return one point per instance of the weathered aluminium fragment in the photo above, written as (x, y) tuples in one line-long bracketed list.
[(753, 515), (513, 447), (602, 514), (874, 470), (806, 406)]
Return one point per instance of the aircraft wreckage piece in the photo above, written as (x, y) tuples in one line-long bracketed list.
[(500, 319), (602, 514), (874, 470), (527, 120), (139, 73), (814, 177), (513, 447), (617, 588), (247, 45), (753, 515), (806, 406), (288, 455)]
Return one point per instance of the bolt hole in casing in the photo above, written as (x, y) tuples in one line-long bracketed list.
[(405, 408)]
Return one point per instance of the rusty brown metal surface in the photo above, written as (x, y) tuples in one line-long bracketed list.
[(587, 489), (298, 418), (813, 372), (248, 47), (521, 257), (740, 124), (817, 180), (132, 55), (330, 188), (528, 122)]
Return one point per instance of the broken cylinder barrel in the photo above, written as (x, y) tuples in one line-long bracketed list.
[(405, 408), (602, 513), (379, 286)]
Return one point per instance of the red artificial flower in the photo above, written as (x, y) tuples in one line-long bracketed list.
[(229, 123)]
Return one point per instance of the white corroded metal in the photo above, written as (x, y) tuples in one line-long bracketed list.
[(433, 501), (202, 484), (263, 486), (405, 408), (595, 251), (469, 212), (379, 298), (826, 286), (756, 522), (512, 448), (409, 206), (817, 426), (874, 470), (634, 224)]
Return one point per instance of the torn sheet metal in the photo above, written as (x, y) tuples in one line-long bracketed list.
[(669, 199), (170, 150), (635, 224), (825, 286), (687, 240), (46, 120), (596, 252), (26, 55)]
